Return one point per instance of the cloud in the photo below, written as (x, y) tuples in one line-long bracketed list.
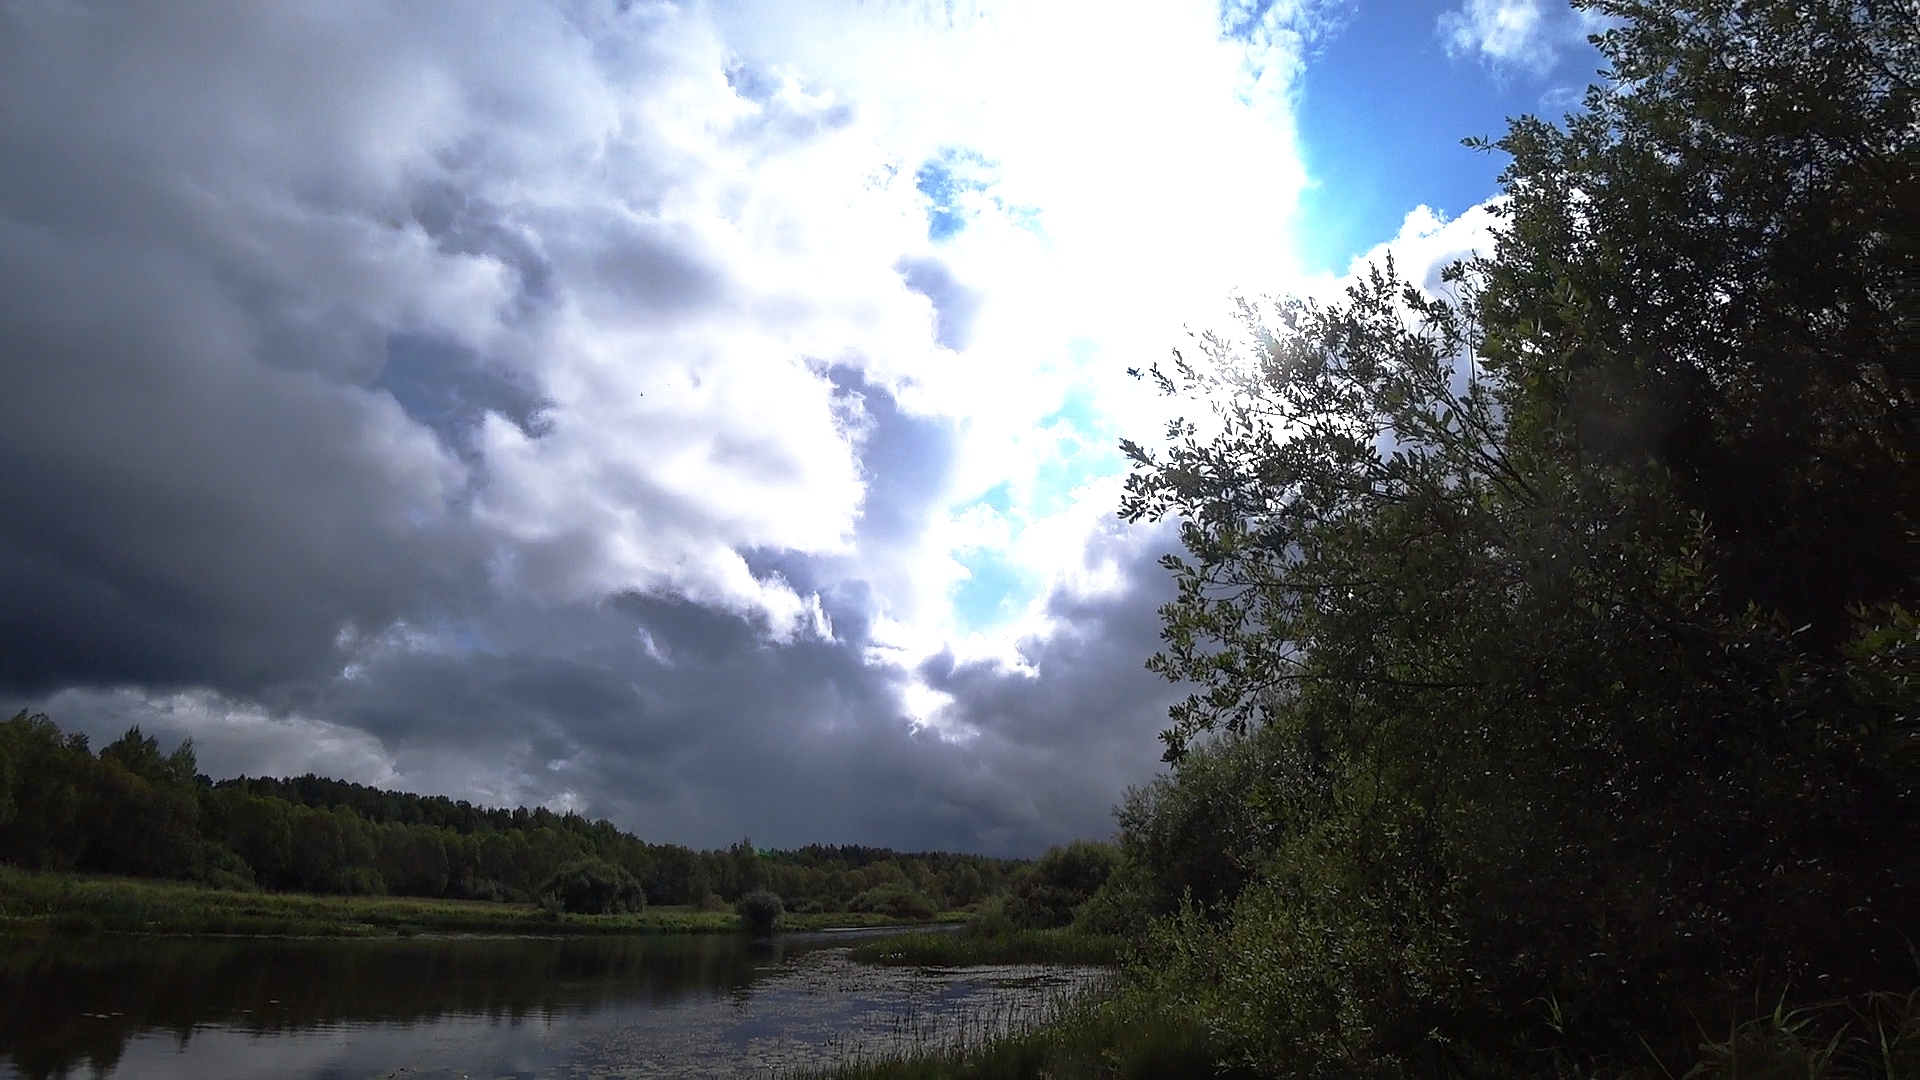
[(606, 405), (954, 304), (1428, 243), (671, 718), (1522, 35)]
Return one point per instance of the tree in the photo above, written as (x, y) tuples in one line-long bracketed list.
[(758, 911), (257, 828), (594, 886), (897, 899), (591, 886), (1061, 880), (1566, 615), (140, 755), (47, 796)]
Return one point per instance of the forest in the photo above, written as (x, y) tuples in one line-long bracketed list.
[(132, 810)]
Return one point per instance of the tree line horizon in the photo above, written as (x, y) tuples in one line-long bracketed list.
[(135, 811)]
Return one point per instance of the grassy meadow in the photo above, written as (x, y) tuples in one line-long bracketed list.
[(49, 902)]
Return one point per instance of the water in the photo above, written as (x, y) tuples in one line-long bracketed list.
[(133, 1008)]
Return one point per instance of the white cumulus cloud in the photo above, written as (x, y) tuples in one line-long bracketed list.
[(1525, 35)]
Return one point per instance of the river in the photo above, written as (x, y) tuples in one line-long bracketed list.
[(157, 1008)]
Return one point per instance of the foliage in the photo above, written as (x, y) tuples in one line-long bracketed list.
[(594, 887), (1878, 1036), (1198, 837), (48, 901), (58, 901), (896, 900), (133, 810), (1127, 1036), (1047, 893), (758, 911), (1137, 1034), (1550, 632)]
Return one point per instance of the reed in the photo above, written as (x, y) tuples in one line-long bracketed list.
[(1873, 1037), (1098, 1033), (1132, 1034)]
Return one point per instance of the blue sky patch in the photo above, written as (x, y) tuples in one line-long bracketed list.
[(1381, 110), (957, 184), (994, 593), (950, 182)]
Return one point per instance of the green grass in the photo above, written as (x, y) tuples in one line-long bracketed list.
[(38, 902), (965, 947)]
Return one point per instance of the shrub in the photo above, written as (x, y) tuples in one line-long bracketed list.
[(759, 910), (594, 887), (1123, 906), (1062, 880), (220, 868), (898, 901)]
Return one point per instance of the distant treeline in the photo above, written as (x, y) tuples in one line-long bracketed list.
[(133, 810)]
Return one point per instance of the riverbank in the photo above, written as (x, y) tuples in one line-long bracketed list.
[(1136, 1035), (1126, 1034), (970, 946), (41, 902)]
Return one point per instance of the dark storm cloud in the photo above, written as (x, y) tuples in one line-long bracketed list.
[(171, 511), (683, 723), (192, 488), (448, 387), (462, 224), (269, 281), (217, 440), (649, 266)]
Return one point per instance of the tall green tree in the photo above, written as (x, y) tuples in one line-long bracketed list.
[(1565, 616)]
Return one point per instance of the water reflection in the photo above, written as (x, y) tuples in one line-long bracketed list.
[(523, 1007)]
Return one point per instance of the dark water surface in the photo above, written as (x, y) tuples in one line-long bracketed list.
[(660, 1005)]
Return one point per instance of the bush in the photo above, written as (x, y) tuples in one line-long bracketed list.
[(1195, 833), (1123, 906), (759, 910), (594, 887), (898, 901), (220, 868), (1062, 880)]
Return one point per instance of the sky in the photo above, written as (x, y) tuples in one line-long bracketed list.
[(702, 416)]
